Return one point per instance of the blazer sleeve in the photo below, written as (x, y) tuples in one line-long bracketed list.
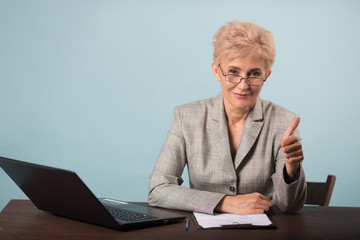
[(165, 188)]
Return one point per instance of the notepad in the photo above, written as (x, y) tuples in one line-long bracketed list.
[(225, 220)]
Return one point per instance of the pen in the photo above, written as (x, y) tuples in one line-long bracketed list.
[(186, 224)]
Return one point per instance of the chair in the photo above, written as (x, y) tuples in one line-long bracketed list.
[(319, 193)]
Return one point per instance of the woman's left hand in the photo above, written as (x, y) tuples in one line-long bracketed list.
[(292, 149)]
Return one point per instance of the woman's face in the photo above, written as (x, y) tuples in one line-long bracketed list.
[(240, 97)]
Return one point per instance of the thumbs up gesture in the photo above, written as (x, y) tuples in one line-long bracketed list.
[(292, 149)]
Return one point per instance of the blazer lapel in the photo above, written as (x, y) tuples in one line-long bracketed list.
[(252, 129), (220, 131)]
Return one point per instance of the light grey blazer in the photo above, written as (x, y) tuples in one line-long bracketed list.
[(199, 138)]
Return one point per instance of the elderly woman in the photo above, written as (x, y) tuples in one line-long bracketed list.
[(243, 153)]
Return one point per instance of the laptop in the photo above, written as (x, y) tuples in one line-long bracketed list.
[(63, 193)]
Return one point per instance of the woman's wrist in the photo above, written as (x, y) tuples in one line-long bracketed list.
[(291, 170), (221, 207)]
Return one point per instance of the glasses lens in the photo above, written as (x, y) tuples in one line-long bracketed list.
[(232, 78), (255, 81)]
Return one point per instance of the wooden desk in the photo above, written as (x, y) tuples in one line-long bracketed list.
[(20, 219)]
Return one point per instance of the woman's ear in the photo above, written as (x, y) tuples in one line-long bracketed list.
[(268, 75), (215, 71)]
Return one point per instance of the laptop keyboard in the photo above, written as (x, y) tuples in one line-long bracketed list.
[(128, 215)]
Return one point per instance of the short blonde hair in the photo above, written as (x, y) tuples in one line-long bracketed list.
[(240, 39)]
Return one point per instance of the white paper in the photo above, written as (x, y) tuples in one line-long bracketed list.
[(216, 220)]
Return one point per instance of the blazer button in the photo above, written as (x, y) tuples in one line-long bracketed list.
[(232, 189)]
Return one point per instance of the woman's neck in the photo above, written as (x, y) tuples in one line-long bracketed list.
[(235, 116)]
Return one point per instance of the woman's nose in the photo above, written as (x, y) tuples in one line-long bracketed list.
[(243, 84)]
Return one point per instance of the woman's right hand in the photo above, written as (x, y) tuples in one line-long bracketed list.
[(252, 203)]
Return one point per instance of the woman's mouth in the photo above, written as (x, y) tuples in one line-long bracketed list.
[(242, 95)]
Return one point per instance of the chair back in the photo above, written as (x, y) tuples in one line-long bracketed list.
[(319, 193)]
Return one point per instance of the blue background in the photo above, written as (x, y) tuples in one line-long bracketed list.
[(90, 86)]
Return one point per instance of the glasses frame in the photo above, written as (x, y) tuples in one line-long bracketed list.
[(241, 78)]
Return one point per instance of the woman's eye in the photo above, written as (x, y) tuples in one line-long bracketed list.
[(233, 71), (254, 74)]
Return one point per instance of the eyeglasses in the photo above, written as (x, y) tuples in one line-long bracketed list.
[(233, 78)]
